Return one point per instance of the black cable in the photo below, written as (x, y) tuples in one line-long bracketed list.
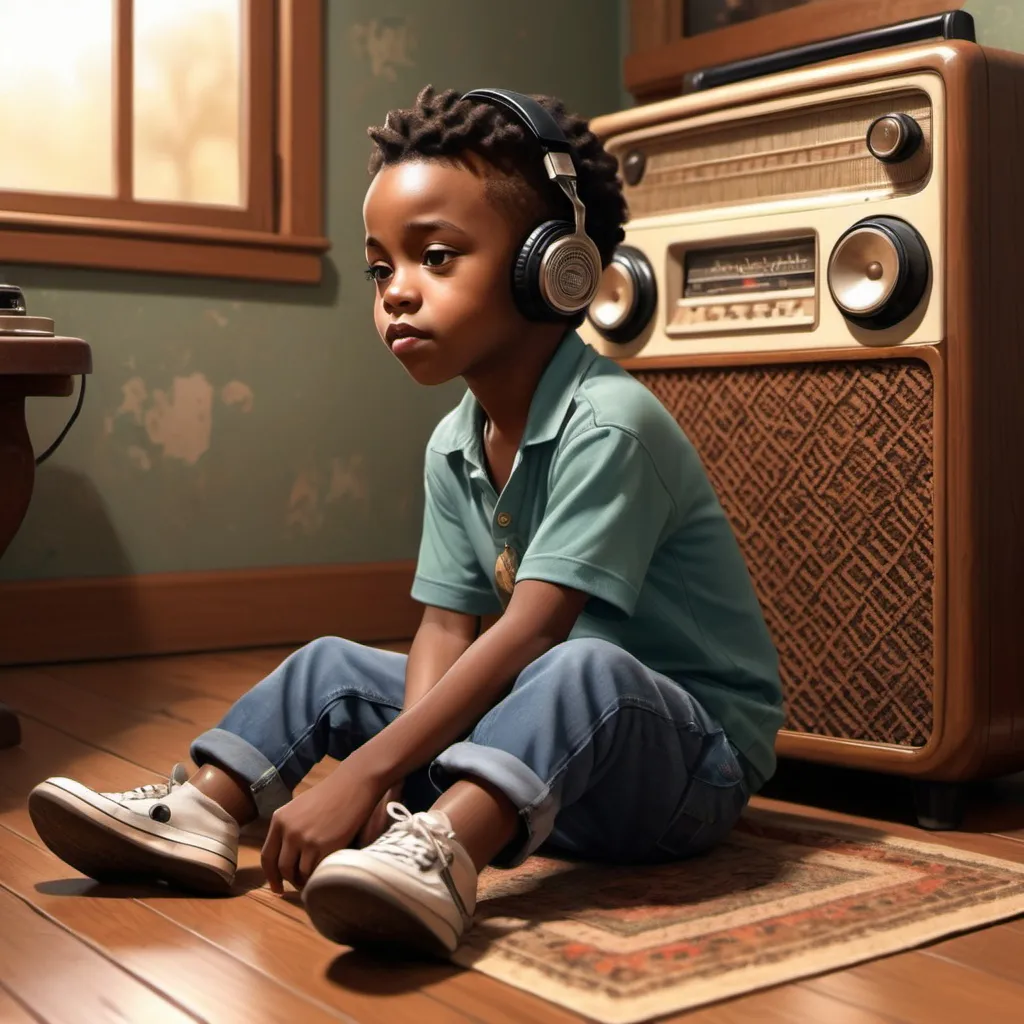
[(64, 433)]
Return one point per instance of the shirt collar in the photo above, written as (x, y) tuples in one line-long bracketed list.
[(548, 407)]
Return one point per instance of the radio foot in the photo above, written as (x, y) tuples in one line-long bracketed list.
[(940, 805)]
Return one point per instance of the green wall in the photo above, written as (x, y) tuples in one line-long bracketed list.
[(230, 425), (998, 23)]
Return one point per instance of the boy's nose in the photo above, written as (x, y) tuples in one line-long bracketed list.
[(400, 294)]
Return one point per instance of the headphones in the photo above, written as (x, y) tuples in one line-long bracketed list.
[(558, 268)]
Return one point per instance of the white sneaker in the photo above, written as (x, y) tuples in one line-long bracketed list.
[(413, 890), (169, 832)]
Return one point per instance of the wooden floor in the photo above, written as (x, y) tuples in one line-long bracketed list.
[(73, 951)]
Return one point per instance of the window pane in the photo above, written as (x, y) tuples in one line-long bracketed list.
[(56, 96), (188, 101)]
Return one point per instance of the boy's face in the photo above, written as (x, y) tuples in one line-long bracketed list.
[(440, 251)]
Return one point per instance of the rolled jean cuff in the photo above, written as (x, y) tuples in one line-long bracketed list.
[(532, 797), (226, 750)]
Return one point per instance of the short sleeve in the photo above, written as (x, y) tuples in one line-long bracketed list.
[(448, 573), (606, 512)]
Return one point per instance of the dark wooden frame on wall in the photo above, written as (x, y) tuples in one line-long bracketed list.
[(278, 236), (660, 55)]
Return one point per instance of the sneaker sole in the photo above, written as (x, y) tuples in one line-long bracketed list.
[(107, 849), (349, 907)]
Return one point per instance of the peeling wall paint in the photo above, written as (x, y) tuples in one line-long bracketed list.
[(135, 394), (387, 46), (348, 479), (317, 488), (139, 457), (237, 393), (180, 423)]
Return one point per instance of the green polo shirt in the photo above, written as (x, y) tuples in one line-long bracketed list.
[(607, 495)]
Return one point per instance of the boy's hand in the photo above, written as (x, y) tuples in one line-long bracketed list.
[(323, 819), (380, 821)]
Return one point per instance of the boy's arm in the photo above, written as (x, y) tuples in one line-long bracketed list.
[(441, 639), (539, 616)]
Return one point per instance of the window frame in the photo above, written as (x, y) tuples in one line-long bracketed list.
[(276, 236)]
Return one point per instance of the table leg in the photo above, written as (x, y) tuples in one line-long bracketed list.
[(10, 727), (17, 476)]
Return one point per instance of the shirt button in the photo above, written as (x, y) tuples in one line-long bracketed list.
[(504, 519)]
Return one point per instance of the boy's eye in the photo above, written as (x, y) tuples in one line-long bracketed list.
[(436, 257), (378, 272)]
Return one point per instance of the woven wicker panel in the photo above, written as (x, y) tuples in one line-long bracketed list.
[(825, 471)]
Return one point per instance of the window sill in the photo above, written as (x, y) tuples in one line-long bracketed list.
[(59, 240)]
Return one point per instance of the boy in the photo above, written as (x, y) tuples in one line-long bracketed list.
[(625, 704)]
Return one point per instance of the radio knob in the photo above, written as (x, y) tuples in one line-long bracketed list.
[(626, 297), (878, 272), (894, 137), (633, 166)]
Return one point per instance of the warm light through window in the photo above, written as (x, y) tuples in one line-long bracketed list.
[(56, 96), (188, 101)]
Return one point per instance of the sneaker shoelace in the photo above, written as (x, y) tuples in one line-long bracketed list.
[(156, 790), (420, 840)]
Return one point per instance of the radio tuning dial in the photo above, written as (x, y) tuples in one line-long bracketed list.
[(878, 272), (627, 295), (894, 137)]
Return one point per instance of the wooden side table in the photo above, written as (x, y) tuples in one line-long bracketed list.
[(29, 367)]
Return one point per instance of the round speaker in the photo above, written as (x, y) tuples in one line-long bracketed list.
[(878, 272), (626, 297)]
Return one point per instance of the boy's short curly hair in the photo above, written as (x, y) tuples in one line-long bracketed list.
[(442, 125)]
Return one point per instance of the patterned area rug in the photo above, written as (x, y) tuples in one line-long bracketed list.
[(783, 898)]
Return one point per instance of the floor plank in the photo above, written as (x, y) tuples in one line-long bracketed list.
[(920, 989), (116, 725), (143, 938), (787, 1004), (466, 991), (107, 724), (14, 1012), (998, 950), (973, 842), (92, 988), (174, 675)]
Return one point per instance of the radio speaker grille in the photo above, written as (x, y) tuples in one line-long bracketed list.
[(826, 471)]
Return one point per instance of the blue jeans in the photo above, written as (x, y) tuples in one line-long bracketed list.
[(603, 758)]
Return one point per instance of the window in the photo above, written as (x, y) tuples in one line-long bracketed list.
[(183, 137)]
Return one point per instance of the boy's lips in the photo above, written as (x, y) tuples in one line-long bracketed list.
[(396, 331)]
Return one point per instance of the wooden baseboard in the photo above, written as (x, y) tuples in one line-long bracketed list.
[(174, 613)]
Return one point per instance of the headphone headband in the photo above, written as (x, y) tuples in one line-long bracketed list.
[(556, 271), (530, 113)]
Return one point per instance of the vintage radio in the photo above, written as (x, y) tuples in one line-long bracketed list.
[(822, 280)]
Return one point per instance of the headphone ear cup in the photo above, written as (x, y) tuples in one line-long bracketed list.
[(526, 288)]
